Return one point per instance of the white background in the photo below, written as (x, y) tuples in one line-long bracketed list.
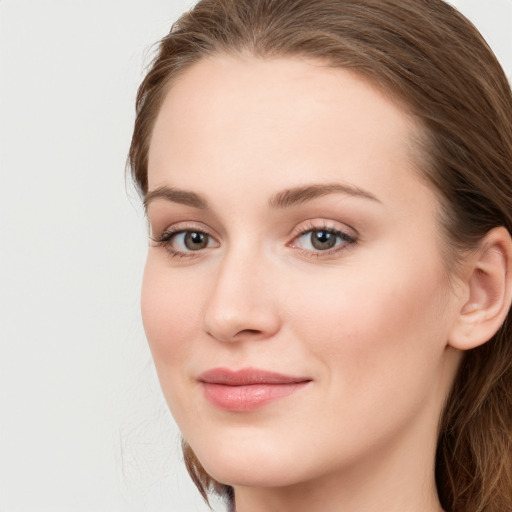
[(83, 426)]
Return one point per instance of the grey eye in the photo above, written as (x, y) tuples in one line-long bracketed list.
[(322, 240), (318, 240)]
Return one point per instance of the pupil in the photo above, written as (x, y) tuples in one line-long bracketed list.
[(323, 240), (195, 241)]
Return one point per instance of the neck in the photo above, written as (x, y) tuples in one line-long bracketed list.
[(335, 498)]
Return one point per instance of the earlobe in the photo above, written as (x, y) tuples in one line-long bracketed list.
[(489, 292)]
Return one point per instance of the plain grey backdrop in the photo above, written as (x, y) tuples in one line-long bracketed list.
[(83, 426)]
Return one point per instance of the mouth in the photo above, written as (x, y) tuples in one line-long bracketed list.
[(247, 389)]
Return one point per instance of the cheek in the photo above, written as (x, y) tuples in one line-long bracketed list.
[(169, 314), (171, 317), (385, 324)]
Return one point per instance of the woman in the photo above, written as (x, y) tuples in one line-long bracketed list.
[(328, 283)]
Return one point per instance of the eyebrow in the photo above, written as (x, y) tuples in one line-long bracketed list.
[(299, 195), (176, 196), (285, 199)]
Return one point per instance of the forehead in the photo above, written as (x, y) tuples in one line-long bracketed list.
[(276, 120)]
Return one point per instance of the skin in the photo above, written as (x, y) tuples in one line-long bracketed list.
[(368, 321)]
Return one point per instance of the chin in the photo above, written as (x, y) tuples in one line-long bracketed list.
[(255, 465), (247, 474)]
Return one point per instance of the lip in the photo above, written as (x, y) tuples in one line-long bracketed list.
[(247, 389)]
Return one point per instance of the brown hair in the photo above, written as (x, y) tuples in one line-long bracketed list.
[(429, 56)]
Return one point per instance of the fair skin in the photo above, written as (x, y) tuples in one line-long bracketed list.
[(317, 254)]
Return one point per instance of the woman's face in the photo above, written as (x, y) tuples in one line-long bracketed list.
[(295, 298)]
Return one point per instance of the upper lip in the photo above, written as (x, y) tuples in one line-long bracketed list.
[(247, 377)]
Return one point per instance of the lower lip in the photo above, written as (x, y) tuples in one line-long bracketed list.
[(250, 397)]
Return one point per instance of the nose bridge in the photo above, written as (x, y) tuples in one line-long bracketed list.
[(241, 305)]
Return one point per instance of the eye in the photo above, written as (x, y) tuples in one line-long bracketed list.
[(182, 242), (322, 240), (191, 240)]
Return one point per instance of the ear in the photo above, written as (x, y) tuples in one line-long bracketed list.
[(487, 292)]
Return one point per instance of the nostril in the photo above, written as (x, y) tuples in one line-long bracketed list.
[(244, 333), (250, 332)]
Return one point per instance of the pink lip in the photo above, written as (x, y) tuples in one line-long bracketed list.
[(247, 389)]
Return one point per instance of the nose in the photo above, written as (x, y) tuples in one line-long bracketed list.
[(242, 305)]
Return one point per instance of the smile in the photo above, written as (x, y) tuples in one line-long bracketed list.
[(248, 389)]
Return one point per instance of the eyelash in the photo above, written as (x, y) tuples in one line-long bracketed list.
[(167, 236)]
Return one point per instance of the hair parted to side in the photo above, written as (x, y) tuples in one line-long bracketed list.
[(431, 58)]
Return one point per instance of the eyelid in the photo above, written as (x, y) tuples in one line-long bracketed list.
[(318, 224), (179, 227)]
